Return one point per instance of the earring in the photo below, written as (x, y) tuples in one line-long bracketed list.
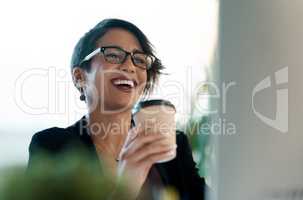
[(82, 96)]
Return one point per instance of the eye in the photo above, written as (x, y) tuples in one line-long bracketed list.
[(113, 57), (140, 59)]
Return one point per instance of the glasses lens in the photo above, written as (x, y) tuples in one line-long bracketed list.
[(114, 55), (142, 60)]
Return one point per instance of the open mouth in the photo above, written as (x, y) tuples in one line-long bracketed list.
[(125, 85)]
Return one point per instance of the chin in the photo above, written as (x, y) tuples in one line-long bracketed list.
[(117, 107)]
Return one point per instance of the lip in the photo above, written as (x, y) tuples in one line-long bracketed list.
[(124, 78)]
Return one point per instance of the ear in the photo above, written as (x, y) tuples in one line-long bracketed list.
[(78, 76)]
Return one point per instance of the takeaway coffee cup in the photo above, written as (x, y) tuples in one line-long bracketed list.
[(157, 117)]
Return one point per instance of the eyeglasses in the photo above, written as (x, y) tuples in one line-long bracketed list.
[(117, 55)]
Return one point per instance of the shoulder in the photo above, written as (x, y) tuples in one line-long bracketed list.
[(181, 136), (53, 131), (182, 140), (184, 150), (56, 135), (50, 139)]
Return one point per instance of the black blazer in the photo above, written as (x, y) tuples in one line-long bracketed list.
[(181, 172)]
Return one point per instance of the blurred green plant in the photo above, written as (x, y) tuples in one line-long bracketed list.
[(69, 176), (72, 176), (198, 131)]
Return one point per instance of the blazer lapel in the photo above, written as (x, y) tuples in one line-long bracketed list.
[(80, 129)]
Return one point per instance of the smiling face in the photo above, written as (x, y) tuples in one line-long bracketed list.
[(113, 87)]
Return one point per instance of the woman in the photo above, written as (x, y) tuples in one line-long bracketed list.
[(112, 66)]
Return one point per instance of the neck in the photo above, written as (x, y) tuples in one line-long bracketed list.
[(109, 131)]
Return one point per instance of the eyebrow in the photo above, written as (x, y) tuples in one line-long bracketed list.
[(138, 51)]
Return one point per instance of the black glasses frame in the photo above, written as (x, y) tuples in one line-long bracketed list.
[(131, 54)]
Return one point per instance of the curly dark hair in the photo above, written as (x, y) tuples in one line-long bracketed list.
[(88, 43)]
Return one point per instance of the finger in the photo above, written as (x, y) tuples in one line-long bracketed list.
[(151, 149), (141, 137), (132, 134), (137, 131), (140, 142), (153, 158)]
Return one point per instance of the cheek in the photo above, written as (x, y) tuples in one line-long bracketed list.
[(143, 77), (101, 82), (142, 80), (95, 81), (99, 74)]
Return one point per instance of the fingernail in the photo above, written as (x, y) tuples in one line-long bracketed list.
[(172, 152)]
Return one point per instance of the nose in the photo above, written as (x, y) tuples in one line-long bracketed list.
[(128, 65)]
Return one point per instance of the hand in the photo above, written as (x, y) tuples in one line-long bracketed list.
[(139, 153)]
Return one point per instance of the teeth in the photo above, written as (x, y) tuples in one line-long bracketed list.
[(128, 82)]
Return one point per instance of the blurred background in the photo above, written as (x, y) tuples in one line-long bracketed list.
[(37, 40), (234, 73)]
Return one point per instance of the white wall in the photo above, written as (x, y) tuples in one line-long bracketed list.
[(257, 39)]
